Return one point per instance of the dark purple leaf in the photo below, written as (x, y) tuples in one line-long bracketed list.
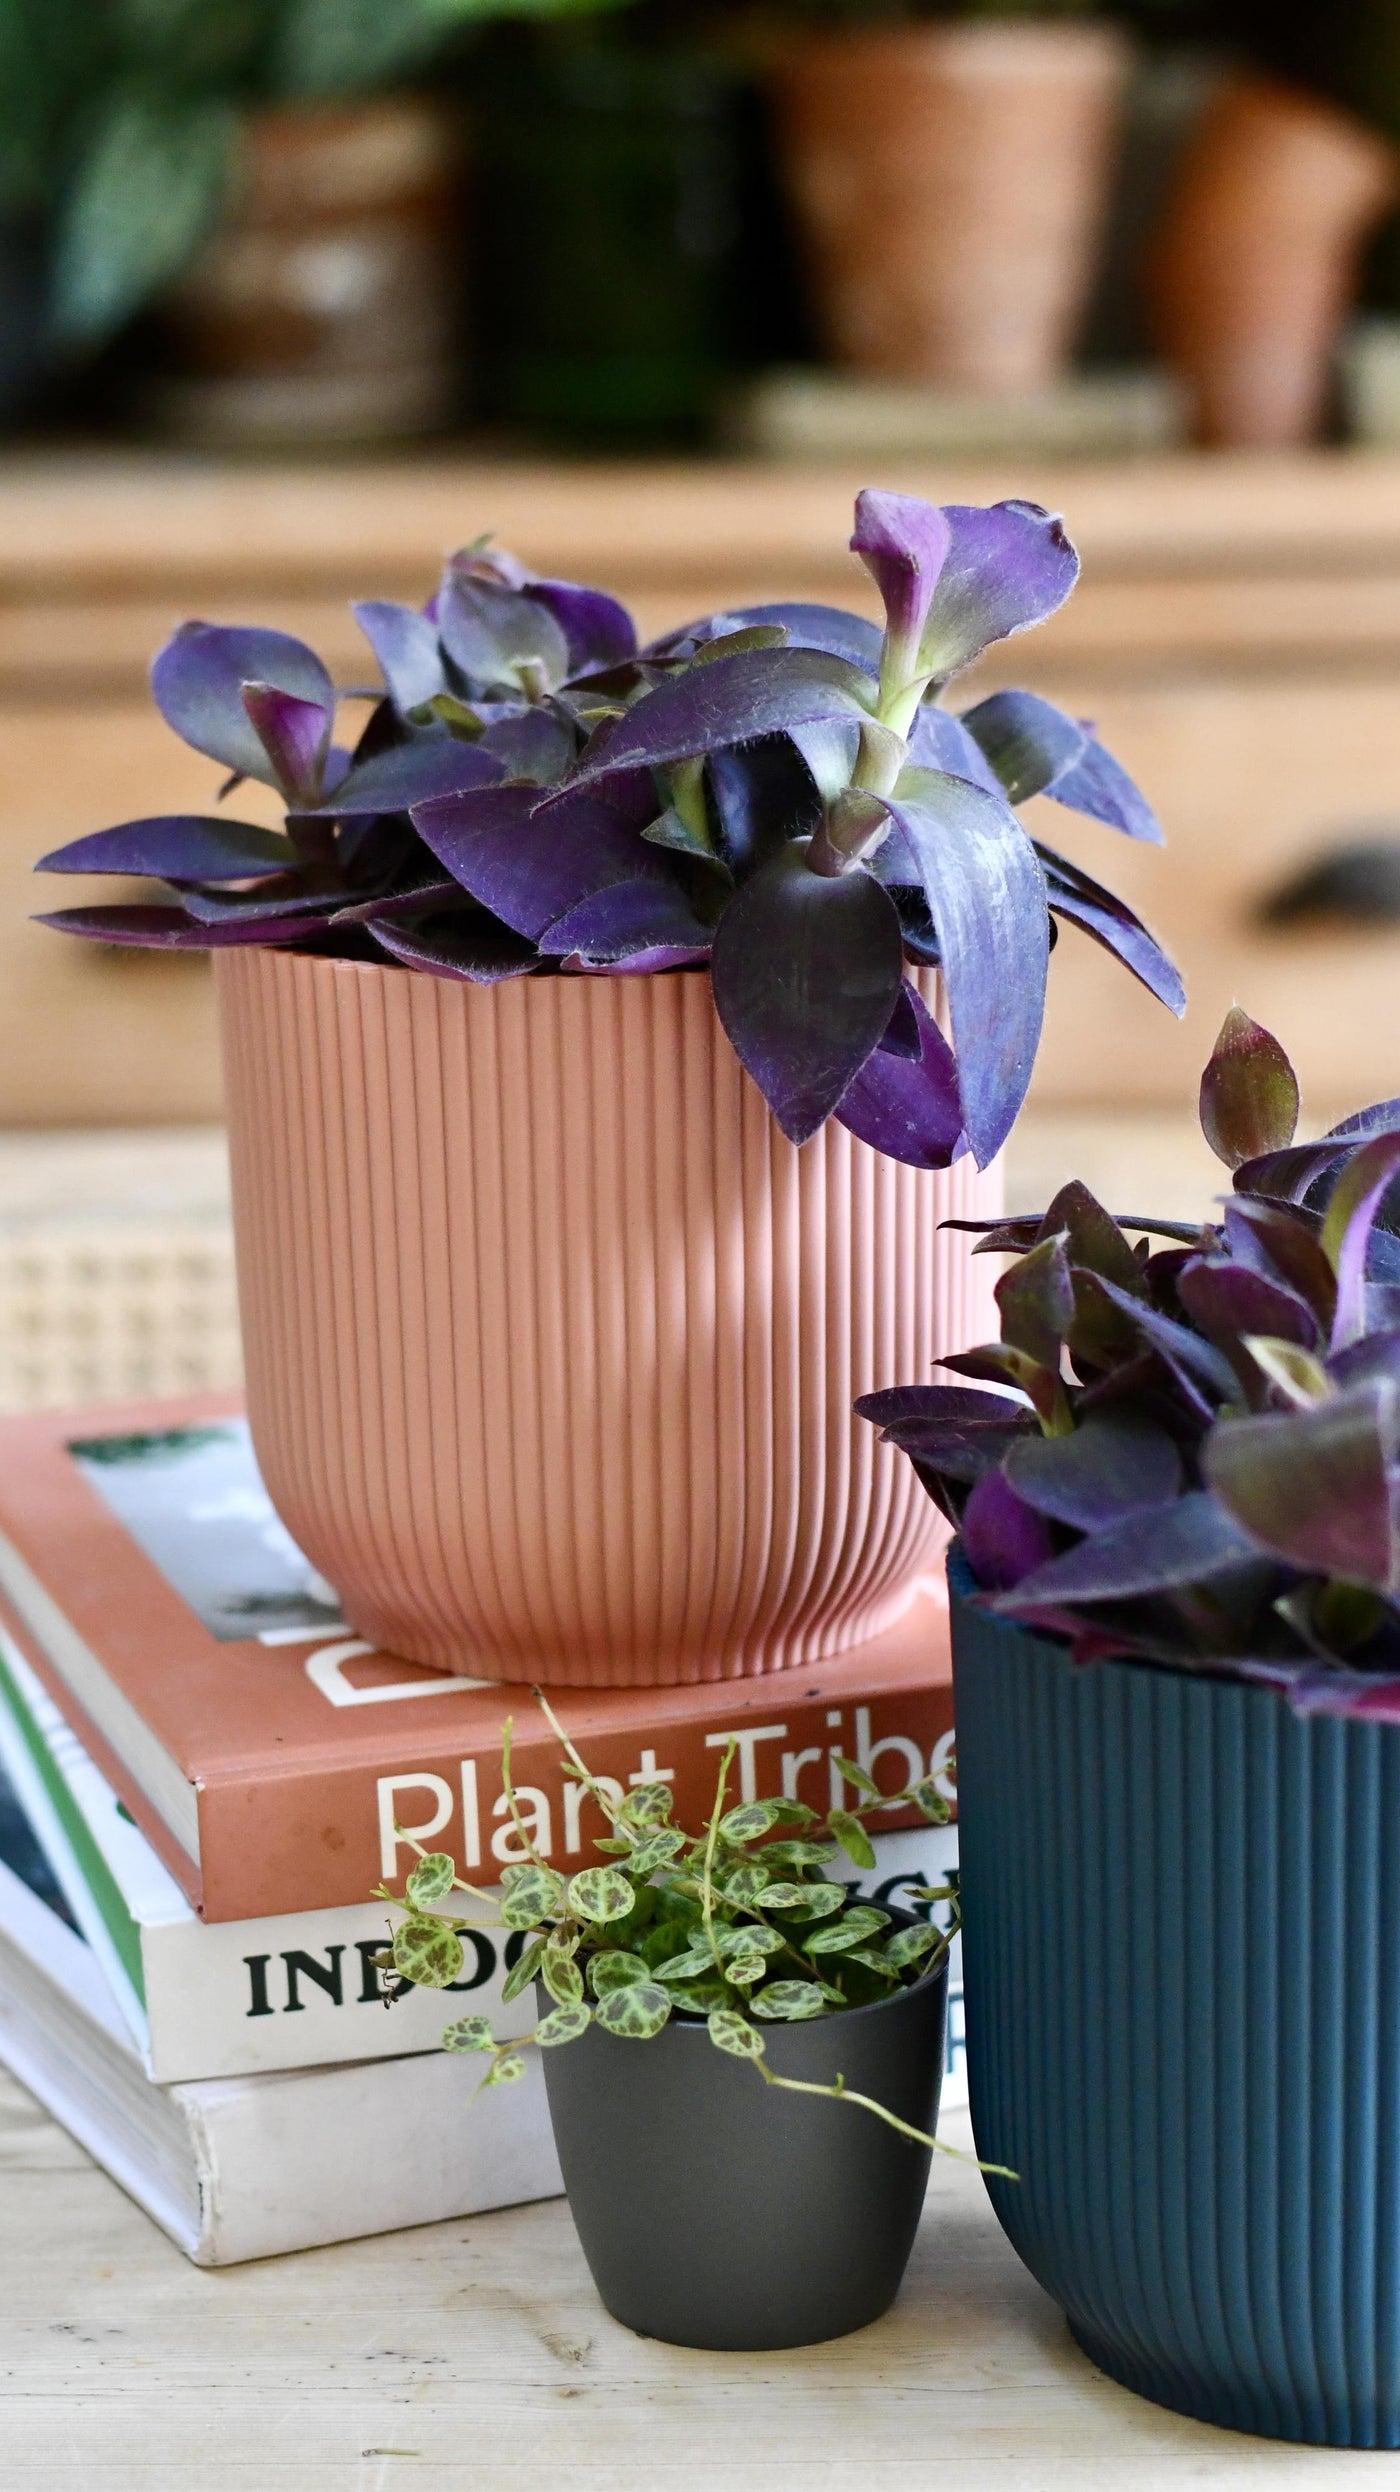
[(1249, 1093), (1227, 1300), (905, 1035), (169, 929), (291, 896), (1094, 1242), (597, 630), (296, 736), (909, 1109), (535, 743), (1003, 1538), (903, 544), (1113, 1465), (640, 915), (763, 795), (1098, 785), (178, 847), (939, 741), (1036, 1300), (1280, 1243), (417, 899), (529, 866), (1348, 1227), (1314, 1485), (1184, 1351), (409, 774), (1364, 1362), (465, 945), (1007, 568), (757, 692), (1286, 1176), (1382, 1118), (806, 968), (497, 635), (1002, 1363), (1027, 741), (1183, 1543), (198, 679), (1073, 894), (644, 964), (406, 645), (986, 897), (906, 1413), (844, 635)]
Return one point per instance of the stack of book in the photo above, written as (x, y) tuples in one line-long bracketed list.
[(203, 1778)]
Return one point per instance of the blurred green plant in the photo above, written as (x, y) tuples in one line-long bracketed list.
[(119, 119)]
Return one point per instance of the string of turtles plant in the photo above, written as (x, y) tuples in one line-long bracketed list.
[(738, 1923)]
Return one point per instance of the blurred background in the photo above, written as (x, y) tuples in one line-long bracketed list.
[(297, 294)]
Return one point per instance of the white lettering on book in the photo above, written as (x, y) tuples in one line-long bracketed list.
[(388, 1788), (747, 1742)]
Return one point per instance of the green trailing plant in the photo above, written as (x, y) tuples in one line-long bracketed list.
[(739, 1925)]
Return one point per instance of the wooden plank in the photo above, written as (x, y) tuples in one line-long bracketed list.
[(476, 2353)]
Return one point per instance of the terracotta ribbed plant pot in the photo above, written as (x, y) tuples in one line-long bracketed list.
[(552, 1338), (950, 183), (1254, 264)]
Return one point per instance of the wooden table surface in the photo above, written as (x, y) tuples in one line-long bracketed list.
[(474, 2357)]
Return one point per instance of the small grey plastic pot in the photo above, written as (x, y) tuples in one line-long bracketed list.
[(720, 2212)]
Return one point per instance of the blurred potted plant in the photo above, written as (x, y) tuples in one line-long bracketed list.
[(754, 2177), (560, 1264), (1177, 1656), (949, 171)]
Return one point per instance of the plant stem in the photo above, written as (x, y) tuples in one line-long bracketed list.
[(605, 1800), (707, 1892), (841, 2093)]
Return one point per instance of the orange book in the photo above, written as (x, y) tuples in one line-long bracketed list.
[(268, 1753)]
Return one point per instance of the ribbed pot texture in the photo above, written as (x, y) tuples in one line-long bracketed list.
[(551, 1337), (1181, 1960)]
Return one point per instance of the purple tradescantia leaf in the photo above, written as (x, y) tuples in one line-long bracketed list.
[(1314, 1485), (1185, 1542), (170, 929), (911, 1109), (1007, 568), (1286, 1176), (757, 692), (528, 866), (1348, 1227), (198, 679), (910, 1414), (1027, 741), (986, 896), (290, 896), (903, 544), (905, 1035), (1113, 1465), (463, 945), (939, 741), (1280, 1245), (427, 896), (645, 964), (644, 914), (409, 774), (1036, 1302), (1227, 1300), (178, 847), (806, 968), (1074, 895), (498, 635), (1363, 1362), (598, 631), (1249, 1093), (1184, 1351), (1098, 785), (1003, 1538), (535, 744), (843, 635), (296, 736), (1382, 1118), (406, 645)]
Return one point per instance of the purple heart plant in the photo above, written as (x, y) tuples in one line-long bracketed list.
[(1194, 1454), (778, 795)]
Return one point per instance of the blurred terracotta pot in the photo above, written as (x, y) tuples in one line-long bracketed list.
[(323, 307), (950, 183), (552, 1338), (1254, 263)]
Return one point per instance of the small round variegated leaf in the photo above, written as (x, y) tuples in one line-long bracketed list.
[(729, 2031), (807, 1903), (535, 1896), (470, 2033), (910, 1946), (867, 1956), (563, 2024), (616, 1969), (691, 1960), (561, 1976), (932, 1801), (749, 1820), (790, 2001), (793, 1813), (601, 1895), (698, 1997), (428, 1951), (745, 1884), (637, 2013), (649, 1805), (745, 1970), (430, 1880), (750, 1939), (851, 1930), (799, 1853), (528, 1963), (857, 1775), (505, 2071), (852, 1837), (655, 1850)]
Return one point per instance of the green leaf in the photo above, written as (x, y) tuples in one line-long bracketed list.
[(852, 1837), (698, 1997), (910, 1946), (1036, 1301), (528, 1963), (533, 1896), (655, 1850), (793, 1813), (750, 1939), (853, 1928), (750, 1819), (691, 1961), (601, 1895), (469, 2033), (791, 2002), (799, 1854), (745, 1969), (649, 1805), (745, 1884), (858, 1777), (431, 1879), (635, 2014), (1249, 1093), (563, 2024), (561, 1977), (866, 1955), (148, 188), (428, 1952), (927, 1796), (729, 2031), (504, 2071), (808, 1903), (616, 1969), (786, 1896)]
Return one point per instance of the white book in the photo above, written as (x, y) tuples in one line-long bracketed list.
[(243, 2167), (297, 1990)]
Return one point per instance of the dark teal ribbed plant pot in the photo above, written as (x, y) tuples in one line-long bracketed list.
[(1181, 1960)]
